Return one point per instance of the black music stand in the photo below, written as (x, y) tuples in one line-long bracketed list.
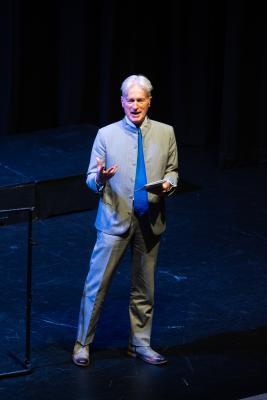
[(26, 363)]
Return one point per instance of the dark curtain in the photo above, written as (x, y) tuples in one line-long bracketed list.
[(63, 62)]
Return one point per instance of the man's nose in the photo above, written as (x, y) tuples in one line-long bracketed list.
[(135, 103)]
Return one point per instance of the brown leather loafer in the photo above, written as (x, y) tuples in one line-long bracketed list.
[(80, 355), (146, 354)]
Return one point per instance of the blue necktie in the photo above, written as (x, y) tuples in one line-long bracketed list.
[(140, 196)]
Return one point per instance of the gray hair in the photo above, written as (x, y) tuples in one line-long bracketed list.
[(139, 80)]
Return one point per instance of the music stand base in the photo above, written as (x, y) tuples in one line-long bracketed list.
[(26, 368)]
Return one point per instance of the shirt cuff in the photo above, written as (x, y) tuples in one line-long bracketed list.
[(99, 188), (171, 182)]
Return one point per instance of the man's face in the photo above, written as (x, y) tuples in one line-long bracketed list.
[(136, 104)]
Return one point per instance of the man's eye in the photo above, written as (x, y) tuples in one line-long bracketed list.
[(138, 101)]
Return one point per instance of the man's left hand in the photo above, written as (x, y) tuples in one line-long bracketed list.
[(161, 190)]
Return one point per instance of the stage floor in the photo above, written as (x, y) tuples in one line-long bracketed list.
[(210, 313)]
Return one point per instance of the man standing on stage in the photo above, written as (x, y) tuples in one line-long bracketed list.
[(127, 155)]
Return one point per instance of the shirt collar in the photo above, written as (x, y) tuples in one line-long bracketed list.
[(133, 125)]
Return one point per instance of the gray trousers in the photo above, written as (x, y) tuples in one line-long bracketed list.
[(106, 255)]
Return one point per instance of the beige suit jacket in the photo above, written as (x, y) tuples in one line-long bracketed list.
[(117, 144)]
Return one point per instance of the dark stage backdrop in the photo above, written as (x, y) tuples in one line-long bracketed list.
[(62, 63)]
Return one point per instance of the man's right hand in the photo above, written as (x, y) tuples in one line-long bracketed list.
[(103, 174)]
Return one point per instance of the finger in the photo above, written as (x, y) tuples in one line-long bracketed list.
[(112, 170), (115, 169), (110, 175), (112, 167), (100, 166), (166, 186)]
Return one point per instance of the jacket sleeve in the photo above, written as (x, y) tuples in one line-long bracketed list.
[(98, 150), (171, 172)]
